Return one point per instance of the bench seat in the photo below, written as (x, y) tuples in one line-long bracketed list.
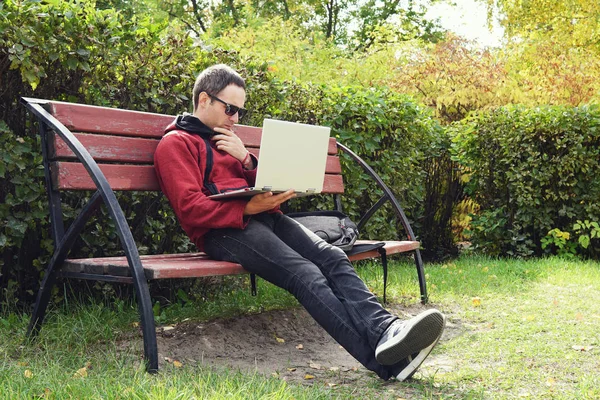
[(194, 265)]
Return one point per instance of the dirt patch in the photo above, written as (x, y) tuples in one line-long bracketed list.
[(286, 343)]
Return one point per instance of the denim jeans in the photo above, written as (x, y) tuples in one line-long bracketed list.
[(320, 276)]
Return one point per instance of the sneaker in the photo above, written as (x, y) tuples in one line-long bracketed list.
[(404, 339), (414, 362)]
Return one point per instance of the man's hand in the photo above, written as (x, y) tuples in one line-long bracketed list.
[(267, 201), (229, 142)]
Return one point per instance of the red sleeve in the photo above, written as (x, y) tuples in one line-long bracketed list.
[(178, 162)]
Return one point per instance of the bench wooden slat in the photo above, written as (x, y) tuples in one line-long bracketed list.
[(194, 265), (107, 148), (94, 119), (118, 149), (391, 247), (73, 176)]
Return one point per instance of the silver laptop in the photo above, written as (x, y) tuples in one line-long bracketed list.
[(292, 156)]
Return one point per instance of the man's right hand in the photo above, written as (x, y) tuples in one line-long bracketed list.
[(267, 201)]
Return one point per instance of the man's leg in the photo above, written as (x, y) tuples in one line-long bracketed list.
[(404, 344), (262, 252)]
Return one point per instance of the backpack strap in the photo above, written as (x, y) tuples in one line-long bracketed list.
[(209, 166), (383, 254)]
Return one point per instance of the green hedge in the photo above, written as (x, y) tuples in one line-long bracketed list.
[(534, 174), (70, 51)]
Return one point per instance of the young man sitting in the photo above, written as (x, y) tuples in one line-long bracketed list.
[(201, 154)]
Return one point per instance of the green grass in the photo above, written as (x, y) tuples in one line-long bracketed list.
[(515, 330)]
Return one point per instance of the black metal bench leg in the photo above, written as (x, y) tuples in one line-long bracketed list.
[(147, 321), (41, 303), (421, 275)]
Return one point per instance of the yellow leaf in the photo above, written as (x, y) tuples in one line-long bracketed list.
[(291, 369), (81, 373), (308, 376), (22, 363), (177, 364), (28, 374), (135, 324), (330, 384), (279, 340), (550, 382), (476, 301)]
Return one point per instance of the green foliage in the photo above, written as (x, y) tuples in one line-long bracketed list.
[(531, 171), (586, 239)]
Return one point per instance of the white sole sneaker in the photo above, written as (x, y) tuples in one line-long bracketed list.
[(416, 334), (415, 363)]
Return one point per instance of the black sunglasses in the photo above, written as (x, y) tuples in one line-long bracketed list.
[(230, 109)]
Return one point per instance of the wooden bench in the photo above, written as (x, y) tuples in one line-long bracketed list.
[(106, 150)]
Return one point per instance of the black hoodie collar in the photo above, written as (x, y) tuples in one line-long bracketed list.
[(192, 124)]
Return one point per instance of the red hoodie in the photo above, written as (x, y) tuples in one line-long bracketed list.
[(181, 162)]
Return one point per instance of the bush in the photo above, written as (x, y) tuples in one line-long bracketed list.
[(531, 171)]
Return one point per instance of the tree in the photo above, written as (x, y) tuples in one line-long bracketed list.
[(576, 23)]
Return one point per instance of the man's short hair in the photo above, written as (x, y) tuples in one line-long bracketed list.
[(214, 79)]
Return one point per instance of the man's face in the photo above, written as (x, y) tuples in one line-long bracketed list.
[(212, 112)]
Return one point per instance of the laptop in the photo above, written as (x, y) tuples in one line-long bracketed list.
[(292, 156)]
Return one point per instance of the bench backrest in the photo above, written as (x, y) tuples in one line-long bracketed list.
[(123, 142)]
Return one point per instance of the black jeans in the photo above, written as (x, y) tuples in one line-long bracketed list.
[(320, 276)]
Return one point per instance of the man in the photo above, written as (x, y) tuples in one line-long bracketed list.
[(201, 155)]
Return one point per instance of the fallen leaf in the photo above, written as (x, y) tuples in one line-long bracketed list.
[(275, 374), (331, 384), (279, 340), (168, 359), (334, 369), (177, 364), (314, 365), (300, 347), (81, 373), (22, 363), (28, 374), (550, 382), (308, 376), (135, 324), (354, 369), (582, 348), (476, 301), (291, 369), (167, 328)]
